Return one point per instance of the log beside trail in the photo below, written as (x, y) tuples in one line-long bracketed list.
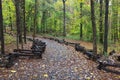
[(37, 49)]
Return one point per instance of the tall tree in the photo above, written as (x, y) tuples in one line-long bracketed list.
[(24, 22), (101, 22), (18, 22), (93, 27), (106, 27), (43, 21), (43, 18), (81, 33), (1, 29), (64, 25), (35, 17), (115, 14)]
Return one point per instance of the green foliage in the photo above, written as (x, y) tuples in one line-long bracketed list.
[(74, 37), (9, 11), (53, 22)]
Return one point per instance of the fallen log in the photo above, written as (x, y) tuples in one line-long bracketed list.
[(8, 60), (27, 55), (79, 48), (111, 71), (112, 52), (37, 49), (103, 66), (92, 56), (26, 51), (61, 41)]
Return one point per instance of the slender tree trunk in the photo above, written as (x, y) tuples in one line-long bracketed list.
[(115, 19), (55, 26), (119, 24), (64, 24), (110, 24), (17, 6), (106, 26), (24, 23), (101, 22), (35, 17), (11, 23), (21, 22), (41, 25), (43, 20), (81, 33), (93, 27), (117, 13), (1, 30)]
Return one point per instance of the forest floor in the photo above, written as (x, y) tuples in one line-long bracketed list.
[(59, 62)]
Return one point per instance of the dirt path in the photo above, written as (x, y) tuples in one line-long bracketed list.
[(59, 62)]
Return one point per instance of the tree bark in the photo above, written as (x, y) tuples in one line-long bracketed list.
[(101, 22), (24, 23), (1, 30), (115, 19), (18, 24), (105, 47), (64, 25), (81, 33), (35, 17), (93, 27)]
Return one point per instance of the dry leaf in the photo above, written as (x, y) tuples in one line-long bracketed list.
[(118, 77), (75, 69), (88, 78), (91, 73), (13, 71), (45, 75), (43, 66)]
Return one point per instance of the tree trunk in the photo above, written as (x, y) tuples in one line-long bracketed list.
[(35, 17), (18, 24), (43, 20), (1, 29), (101, 22), (24, 23), (81, 34), (117, 14), (119, 24), (93, 27), (106, 27), (115, 19), (64, 24), (11, 23)]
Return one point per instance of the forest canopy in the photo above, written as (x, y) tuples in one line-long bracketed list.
[(63, 18)]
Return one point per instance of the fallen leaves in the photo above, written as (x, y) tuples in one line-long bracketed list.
[(59, 62)]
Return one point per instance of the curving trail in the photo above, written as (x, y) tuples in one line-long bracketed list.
[(60, 62)]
